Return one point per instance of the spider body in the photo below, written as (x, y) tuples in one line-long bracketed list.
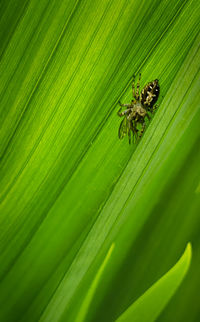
[(149, 94), (140, 109)]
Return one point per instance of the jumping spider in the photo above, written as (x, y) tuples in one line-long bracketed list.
[(140, 108)]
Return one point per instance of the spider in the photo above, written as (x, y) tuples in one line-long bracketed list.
[(140, 109)]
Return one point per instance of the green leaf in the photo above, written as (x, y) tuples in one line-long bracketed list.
[(69, 187), (132, 199), (152, 302), (88, 299)]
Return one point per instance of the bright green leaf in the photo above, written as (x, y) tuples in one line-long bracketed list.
[(148, 307), (88, 299)]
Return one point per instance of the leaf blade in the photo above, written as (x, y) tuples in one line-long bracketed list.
[(149, 306)]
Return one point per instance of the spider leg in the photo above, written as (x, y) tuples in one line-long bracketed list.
[(133, 86), (119, 113), (122, 128), (124, 105), (129, 131), (129, 136), (138, 87), (142, 130), (133, 129)]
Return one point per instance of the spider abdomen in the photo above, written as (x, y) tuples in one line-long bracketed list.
[(150, 93)]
